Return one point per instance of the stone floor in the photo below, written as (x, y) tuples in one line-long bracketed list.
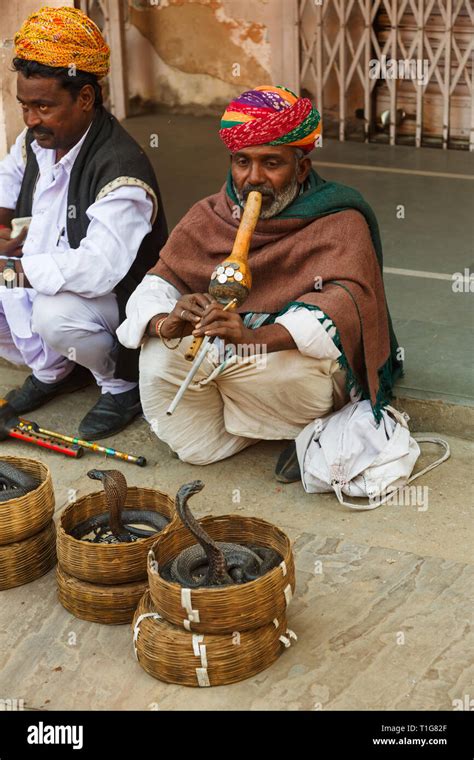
[(382, 610)]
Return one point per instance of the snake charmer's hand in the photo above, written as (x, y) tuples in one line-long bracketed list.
[(187, 312), (223, 324)]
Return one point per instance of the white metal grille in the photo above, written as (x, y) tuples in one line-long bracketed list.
[(339, 38)]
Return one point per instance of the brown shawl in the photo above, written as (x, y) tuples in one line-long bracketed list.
[(287, 257)]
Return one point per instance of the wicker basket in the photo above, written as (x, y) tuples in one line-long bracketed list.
[(175, 656), (27, 515), (108, 563), (226, 608), (25, 561), (112, 605)]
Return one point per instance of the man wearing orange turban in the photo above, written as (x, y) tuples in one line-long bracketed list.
[(315, 325), (90, 205)]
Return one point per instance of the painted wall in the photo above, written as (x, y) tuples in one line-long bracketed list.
[(203, 52)]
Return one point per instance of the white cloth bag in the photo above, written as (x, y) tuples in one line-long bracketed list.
[(348, 452)]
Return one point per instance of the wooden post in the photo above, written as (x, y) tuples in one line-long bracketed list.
[(286, 67), (114, 17)]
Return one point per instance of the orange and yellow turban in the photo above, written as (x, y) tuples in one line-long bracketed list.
[(270, 115), (61, 37)]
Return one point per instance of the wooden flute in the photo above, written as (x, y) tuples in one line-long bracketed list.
[(230, 284)]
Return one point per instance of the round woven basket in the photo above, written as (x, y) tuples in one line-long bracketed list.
[(109, 563), (27, 515), (25, 561), (176, 656), (223, 609), (112, 605)]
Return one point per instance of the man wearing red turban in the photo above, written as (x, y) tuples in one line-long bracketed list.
[(315, 326)]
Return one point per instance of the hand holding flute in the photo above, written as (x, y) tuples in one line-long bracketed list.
[(204, 347), (180, 322)]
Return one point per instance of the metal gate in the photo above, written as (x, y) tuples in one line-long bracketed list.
[(390, 70)]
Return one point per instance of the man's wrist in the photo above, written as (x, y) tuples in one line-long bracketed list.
[(20, 281), (164, 325), (153, 324)]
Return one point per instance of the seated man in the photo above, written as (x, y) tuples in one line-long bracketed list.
[(317, 304), (97, 225)]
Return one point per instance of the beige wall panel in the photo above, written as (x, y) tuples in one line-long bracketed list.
[(200, 52)]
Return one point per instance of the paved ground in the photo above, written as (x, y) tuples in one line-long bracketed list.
[(383, 607), (385, 621)]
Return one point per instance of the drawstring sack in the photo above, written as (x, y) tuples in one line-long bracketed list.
[(350, 453)]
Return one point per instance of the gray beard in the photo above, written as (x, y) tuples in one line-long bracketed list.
[(280, 202)]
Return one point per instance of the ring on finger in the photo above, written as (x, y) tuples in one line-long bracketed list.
[(183, 313)]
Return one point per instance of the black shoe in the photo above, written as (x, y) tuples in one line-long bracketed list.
[(112, 413), (288, 469), (34, 393)]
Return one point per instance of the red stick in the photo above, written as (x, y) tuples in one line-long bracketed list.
[(68, 451)]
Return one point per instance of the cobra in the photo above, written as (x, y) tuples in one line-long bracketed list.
[(215, 563), (109, 527), (14, 482)]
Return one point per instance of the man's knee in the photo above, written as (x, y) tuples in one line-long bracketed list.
[(148, 360), (52, 316), (155, 362), (191, 452)]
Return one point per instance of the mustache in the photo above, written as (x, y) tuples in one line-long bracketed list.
[(265, 191), (42, 132)]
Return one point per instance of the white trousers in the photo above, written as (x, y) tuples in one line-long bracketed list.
[(224, 411), (51, 333)]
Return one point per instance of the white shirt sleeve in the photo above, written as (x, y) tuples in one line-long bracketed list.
[(12, 170), (153, 296), (312, 332), (118, 224)]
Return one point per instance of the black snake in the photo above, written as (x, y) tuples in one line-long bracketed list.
[(14, 482), (109, 527), (214, 563)]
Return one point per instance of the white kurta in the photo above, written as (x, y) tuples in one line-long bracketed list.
[(118, 223), (232, 403)]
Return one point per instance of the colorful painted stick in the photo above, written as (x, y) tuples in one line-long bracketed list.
[(10, 428), (28, 425), (69, 451)]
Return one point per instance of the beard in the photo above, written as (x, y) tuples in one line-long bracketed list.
[(280, 200)]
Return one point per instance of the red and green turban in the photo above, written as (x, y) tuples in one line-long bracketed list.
[(270, 115)]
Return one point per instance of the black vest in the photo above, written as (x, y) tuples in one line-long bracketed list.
[(108, 155)]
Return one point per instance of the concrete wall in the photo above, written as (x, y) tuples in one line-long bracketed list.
[(12, 16), (204, 52)]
